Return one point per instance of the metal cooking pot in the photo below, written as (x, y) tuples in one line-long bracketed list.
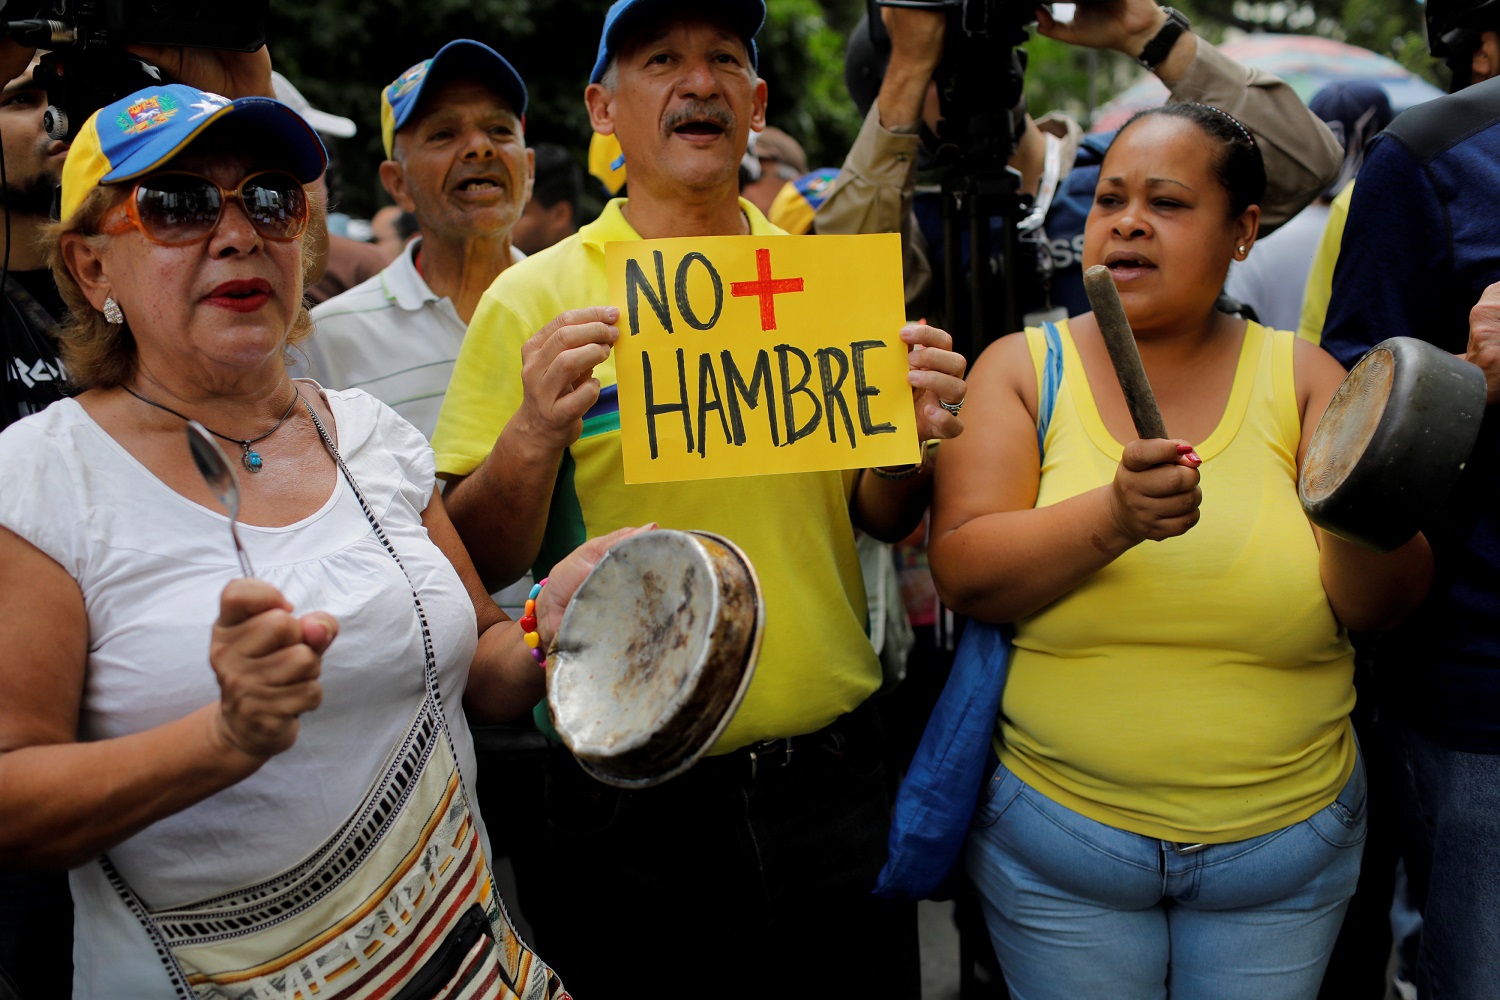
[(654, 654), (1391, 444)]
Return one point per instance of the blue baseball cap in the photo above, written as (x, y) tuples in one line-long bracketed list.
[(462, 59), (745, 16), (137, 134)]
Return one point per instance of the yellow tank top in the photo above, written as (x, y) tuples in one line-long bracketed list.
[(1199, 688)]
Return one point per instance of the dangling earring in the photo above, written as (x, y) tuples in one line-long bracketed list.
[(112, 313)]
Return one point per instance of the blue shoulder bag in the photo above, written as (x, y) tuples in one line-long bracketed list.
[(941, 788)]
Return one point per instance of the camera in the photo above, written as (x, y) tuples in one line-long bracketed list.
[(86, 65), (992, 273), (981, 77)]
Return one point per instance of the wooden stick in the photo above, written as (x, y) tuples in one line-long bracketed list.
[(1110, 315)]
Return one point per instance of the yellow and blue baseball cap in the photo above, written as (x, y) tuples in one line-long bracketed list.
[(135, 135), (462, 59), (624, 16), (798, 201), (607, 162)]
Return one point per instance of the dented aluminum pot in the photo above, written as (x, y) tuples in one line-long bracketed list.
[(1392, 443), (654, 655)]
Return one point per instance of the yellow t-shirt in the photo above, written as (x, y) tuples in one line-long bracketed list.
[(816, 661), (1320, 275), (1198, 688)]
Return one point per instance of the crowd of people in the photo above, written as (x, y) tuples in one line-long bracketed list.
[(298, 782)]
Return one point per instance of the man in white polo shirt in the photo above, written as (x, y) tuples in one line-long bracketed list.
[(454, 136), (454, 133)]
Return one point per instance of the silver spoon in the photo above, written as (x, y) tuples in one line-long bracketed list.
[(219, 475)]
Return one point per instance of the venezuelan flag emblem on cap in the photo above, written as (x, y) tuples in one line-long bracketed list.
[(461, 59)]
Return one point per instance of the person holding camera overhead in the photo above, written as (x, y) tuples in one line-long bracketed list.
[(875, 190)]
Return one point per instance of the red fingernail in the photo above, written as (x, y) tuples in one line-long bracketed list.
[(1192, 456), (1184, 449)]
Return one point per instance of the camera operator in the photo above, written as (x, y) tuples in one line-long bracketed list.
[(875, 190)]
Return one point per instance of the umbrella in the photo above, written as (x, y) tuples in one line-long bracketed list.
[(1306, 62)]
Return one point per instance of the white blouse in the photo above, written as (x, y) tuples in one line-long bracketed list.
[(151, 565)]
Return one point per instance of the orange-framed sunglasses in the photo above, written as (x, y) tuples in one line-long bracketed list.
[(174, 208)]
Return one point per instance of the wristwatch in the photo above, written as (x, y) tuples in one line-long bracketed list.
[(1157, 49)]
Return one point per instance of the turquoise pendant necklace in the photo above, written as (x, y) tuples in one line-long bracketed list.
[(250, 458)]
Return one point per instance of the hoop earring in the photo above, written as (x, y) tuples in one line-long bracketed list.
[(112, 313)]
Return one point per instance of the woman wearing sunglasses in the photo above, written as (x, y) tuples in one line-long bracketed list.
[(261, 785)]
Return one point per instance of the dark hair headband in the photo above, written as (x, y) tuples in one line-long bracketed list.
[(1231, 119)]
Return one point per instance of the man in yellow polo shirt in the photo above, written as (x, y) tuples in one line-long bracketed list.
[(752, 872)]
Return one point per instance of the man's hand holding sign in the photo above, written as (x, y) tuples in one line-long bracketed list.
[(743, 356), (842, 380), (557, 372), (734, 383)]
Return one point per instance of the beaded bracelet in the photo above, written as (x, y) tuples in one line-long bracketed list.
[(528, 625)]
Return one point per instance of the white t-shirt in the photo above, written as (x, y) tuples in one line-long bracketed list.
[(395, 338), (391, 336), (151, 565)]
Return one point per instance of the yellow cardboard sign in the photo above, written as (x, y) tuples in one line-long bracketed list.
[(753, 355)]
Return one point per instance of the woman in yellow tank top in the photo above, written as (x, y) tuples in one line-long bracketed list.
[(1179, 805)]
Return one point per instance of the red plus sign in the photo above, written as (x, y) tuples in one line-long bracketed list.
[(765, 288)]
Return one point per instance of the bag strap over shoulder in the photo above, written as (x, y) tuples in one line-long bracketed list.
[(1049, 383), (430, 674)]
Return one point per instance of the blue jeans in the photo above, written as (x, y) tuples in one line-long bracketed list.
[(1079, 909), (1453, 861)]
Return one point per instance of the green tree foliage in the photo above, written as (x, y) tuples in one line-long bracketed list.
[(1069, 79), (1391, 27), (1059, 76), (802, 61), (340, 53)]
